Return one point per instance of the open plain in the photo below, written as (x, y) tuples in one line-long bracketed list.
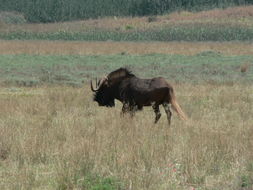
[(53, 136)]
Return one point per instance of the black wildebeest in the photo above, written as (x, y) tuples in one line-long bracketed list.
[(135, 93)]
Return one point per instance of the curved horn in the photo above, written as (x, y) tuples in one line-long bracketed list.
[(102, 81), (91, 86), (98, 86)]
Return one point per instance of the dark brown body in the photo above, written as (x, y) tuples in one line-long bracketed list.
[(144, 92), (135, 93)]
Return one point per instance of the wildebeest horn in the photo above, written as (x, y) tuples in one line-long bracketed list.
[(91, 86), (97, 85)]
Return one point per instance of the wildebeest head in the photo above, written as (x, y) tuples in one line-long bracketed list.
[(103, 94), (107, 89)]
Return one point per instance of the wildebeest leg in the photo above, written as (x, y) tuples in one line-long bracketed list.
[(168, 112), (157, 112), (133, 109), (125, 108)]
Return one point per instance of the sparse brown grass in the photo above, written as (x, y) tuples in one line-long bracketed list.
[(102, 48), (50, 134)]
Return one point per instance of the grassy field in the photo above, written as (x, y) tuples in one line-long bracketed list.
[(57, 138), (53, 136)]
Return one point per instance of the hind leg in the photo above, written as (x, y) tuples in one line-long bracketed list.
[(168, 112), (157, 112)]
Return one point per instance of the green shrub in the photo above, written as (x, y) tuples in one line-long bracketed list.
[(96, 182), (246, 181)]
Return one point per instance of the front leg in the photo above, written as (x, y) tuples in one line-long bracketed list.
[(133, 109), (125, 109)]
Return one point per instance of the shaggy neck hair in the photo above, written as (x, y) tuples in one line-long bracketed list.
[(120, 73)]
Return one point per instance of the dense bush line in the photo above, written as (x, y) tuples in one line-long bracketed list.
[(63, 10)]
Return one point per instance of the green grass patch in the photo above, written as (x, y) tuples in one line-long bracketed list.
[(211, 67), (183, 32), (96, 182)]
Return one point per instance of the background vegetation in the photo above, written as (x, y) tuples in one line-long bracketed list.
[(63, 10), (214, 25)]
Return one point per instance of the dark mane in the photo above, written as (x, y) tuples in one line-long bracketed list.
[(120, 73)]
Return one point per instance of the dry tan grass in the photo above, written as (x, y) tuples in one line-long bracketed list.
[(101, 48), (48, 135)]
